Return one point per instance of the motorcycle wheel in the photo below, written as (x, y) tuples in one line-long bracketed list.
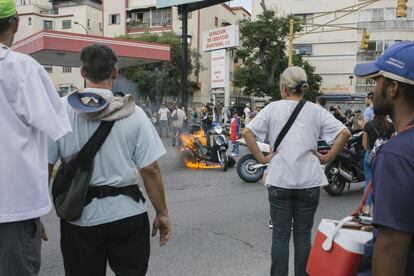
[(337, 183), (245, 171), (232, 161), (224, 161)]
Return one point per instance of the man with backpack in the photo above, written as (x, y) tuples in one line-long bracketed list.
[(30, 111), (393, 172), (113, 226)]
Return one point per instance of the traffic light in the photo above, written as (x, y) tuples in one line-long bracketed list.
[(364, 40), (402, 8)]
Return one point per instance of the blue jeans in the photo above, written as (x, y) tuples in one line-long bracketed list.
[(368, 176), (291, 208), (235, 149)]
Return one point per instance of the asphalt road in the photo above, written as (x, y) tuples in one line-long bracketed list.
[(220, 224)]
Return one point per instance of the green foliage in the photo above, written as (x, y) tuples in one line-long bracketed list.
[(157, 80), (263, 54)]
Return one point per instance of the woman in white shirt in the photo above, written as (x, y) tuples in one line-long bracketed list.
[(294, 172)]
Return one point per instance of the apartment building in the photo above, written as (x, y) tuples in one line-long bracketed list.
[(77, 16), (335, 53), (138, 16)]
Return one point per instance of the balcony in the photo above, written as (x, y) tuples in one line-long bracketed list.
[(367, 56), (92, 3), (387, 25)]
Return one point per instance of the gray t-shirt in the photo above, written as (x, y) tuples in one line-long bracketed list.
[(132, 144)]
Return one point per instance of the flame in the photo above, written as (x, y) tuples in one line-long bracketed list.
[(187, 143)]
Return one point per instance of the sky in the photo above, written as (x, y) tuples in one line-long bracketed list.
[(247, 4)]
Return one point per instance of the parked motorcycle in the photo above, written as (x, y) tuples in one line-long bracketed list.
[(248, 168), (347, 167), (251, 171), (208, 147)]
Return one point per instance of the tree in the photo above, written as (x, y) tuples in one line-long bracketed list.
[(263, 53), (161, 79)]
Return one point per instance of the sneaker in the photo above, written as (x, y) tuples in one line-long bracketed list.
[(234, 154)]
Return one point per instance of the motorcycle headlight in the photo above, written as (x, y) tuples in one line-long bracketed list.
[(218, 129)]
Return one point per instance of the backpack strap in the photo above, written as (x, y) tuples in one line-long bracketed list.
[(89, 150), (289, 124)]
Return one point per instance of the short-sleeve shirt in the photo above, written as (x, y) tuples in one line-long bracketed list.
[(372, 134), (393, 187), (30, 111), (163, 113), (368, 114), (132, 143), (295, 166)]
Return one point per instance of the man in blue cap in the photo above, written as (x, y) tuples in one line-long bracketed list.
[(393, 176), (30, 111)]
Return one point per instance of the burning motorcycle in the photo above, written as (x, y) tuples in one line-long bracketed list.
[(206, 150), (347, 167)]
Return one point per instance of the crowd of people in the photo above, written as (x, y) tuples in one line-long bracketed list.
[(113, 227)]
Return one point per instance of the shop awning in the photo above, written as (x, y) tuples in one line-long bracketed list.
[(63, 49)]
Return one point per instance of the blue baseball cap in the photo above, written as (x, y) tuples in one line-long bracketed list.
[(397, 63), (98, 103)]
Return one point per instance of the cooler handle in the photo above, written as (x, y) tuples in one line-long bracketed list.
[(327, 244)]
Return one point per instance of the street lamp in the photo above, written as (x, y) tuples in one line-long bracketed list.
[(77, 23)]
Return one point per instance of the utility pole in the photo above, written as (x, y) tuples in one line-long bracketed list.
[(291, 32), (184, 54)]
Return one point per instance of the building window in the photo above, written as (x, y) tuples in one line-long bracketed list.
[(225, 23), (29, 21), (88, 24), (305, 18), (47, 24), (66, 24), (100, 26), (303, 49), (161, 17), (114, 19), (67, 69), (216, 21), (48, 68)]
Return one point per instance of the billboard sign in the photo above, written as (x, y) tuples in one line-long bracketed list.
[(170, 3), (221, 38), (218, 69)]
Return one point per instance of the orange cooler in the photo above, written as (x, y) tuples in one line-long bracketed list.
[(337, 251)]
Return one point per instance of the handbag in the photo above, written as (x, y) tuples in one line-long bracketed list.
[(70, 186), (285, 130), (340, 247)]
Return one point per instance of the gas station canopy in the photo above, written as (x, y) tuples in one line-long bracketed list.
[(63, 49)]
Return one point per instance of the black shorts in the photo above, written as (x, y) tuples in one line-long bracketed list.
[(123, 244)]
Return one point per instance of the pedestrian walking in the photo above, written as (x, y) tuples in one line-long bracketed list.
[(178, 118), (294, 172), (393, 173), (379, 127), (113, 227), (369, 110), (235, 133), (164, 116), (247, 114), (194, 116), (30, 111)]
